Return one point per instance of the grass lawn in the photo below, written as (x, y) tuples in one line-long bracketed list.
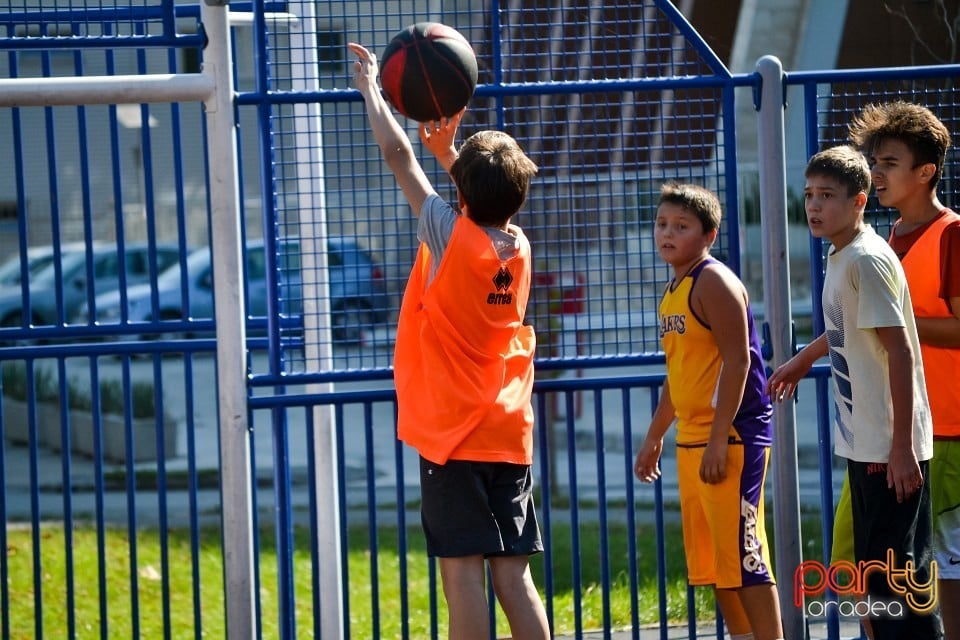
[(145, 610)]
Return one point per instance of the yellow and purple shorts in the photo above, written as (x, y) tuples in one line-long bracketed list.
[(724, 535)]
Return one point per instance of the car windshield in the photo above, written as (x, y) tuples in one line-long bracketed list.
[(36, 262), (196, 261), (69, 264)]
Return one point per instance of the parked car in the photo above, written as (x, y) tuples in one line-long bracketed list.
[(37, 259), (358, 296), (71, 279)]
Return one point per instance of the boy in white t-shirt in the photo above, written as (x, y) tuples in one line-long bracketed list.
[(883, 425)]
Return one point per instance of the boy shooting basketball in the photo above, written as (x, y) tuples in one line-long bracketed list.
[(463, 365)]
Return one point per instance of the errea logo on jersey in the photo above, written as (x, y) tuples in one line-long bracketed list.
[(502, 282)]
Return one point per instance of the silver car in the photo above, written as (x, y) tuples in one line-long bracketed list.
[(358, 297), (57, 291), (38, 258)]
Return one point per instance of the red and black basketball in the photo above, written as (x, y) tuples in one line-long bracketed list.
[(428, 71)]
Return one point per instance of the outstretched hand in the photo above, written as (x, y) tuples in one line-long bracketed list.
[(438, 136), (365, 69), (783, 382)]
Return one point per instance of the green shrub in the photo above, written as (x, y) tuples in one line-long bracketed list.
[(46, 385), (750, 205), (111, 397), (114, 401), (143, 404), (13, 376), (15, 386), (78, 396)]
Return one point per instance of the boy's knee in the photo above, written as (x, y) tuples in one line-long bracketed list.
[(511, 577)]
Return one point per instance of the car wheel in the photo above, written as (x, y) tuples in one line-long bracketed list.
[(350, 321)]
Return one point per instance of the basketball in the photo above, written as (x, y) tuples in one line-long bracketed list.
[(428, 71)]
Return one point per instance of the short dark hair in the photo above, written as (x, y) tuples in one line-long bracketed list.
[(844, 163), (492, 174), (912, 124), (698, 200)]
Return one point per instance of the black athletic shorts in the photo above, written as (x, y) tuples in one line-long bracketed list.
[(478, 508), (880, 523)]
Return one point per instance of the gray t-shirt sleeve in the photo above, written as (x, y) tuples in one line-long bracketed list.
[(435, 226)]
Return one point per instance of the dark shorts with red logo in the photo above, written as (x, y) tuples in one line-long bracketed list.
[(478, 508), (881, 524)]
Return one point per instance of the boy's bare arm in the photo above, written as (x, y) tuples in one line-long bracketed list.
[(783, 382), (646, 467), (722, 300), (941, 332), (663, 415), (391, 138), (903, 472)]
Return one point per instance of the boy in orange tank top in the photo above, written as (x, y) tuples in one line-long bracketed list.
[(906, 145), (463, 365)]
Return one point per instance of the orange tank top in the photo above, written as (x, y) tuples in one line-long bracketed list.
[(463, 361), (941, 366)]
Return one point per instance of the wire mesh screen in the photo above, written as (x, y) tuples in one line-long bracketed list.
[(839, 103), (546, 74), (114, 194), (88, 23)]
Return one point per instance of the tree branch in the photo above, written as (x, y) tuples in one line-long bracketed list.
[(917, 37)]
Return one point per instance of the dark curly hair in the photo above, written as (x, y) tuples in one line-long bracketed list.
[(912, 124)]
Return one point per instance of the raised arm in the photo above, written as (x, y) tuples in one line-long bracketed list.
[(390, 137)]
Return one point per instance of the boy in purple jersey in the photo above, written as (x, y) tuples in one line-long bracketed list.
[(716, 390)]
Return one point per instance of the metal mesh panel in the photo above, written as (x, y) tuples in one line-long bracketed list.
[(582, 40), (603, 154), (838, 103), (82, 23), (85, 178)]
